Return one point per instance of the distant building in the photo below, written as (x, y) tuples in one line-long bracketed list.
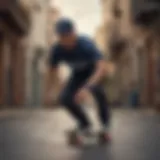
[(100, 38), (52, 17), (37, 51)]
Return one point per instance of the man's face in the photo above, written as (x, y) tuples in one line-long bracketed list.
[(68, 40)]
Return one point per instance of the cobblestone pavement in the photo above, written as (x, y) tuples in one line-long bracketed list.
[(40, 135)]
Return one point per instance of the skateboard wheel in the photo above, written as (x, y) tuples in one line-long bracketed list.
[(104, 138)]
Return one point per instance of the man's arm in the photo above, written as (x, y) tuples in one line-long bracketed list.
[(96, 77), (99, 73), (97, 57)]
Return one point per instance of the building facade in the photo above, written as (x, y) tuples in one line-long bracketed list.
[(131, 47), (14, 27), (37, 51)]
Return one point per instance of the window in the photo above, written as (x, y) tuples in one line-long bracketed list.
[(117, 11)]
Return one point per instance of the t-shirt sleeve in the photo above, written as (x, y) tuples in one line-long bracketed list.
[(54, 57), (93, 51)]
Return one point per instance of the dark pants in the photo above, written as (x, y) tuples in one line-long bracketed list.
[(76, 81)]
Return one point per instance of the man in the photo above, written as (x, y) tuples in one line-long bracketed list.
[(88, 69)]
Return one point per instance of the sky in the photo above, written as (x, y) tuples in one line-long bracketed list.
[(86, 13)]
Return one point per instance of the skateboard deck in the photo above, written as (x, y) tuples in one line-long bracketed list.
[(93, 139)]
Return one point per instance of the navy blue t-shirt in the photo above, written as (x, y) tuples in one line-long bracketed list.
[(83, 56)]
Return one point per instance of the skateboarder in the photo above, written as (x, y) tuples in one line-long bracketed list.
[(88, 69)]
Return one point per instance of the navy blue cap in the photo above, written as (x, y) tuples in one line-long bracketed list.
[(64, 26)]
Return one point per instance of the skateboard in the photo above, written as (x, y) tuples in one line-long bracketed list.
[(92, 139)]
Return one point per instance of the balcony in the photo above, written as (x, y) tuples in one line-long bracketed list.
[(15, 15)]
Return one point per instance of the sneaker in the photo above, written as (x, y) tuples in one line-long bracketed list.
[(77, 136)]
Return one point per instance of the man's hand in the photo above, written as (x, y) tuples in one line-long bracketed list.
[(99, 74), (82, 95)]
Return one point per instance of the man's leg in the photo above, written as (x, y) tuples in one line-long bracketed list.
[(103, 108), (67, 99)]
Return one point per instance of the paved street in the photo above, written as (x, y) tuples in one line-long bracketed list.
[(39, 135)]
